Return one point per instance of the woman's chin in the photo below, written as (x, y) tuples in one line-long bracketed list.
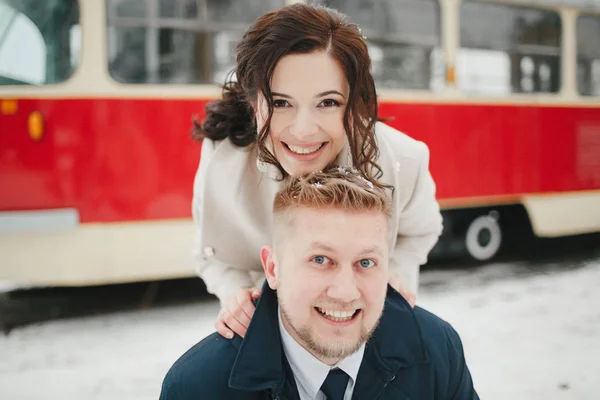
[(296, 169)]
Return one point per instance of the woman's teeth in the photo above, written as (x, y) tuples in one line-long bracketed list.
[(337, 316), (304, 150)]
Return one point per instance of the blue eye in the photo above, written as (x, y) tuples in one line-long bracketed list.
[(366, 263), (320, 259)]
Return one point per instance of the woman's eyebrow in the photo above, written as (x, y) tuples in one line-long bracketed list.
[(328, 92), (323, 94)]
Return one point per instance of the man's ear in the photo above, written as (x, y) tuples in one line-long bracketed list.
[(267, 257)]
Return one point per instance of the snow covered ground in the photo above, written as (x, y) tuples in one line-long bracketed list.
[(527, 337), (528, 334)]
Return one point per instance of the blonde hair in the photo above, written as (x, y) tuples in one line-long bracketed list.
[(343, 188)]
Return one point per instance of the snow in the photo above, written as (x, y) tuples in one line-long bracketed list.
[(533, 337), (528, 334)]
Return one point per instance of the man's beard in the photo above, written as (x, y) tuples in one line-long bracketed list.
[(335, 349)]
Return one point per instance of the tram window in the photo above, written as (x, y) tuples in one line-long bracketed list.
[(404, 40), (177, 41), (38, 43), (129, 8), (508, 49), (178, 9), (485, 72), (588, 55)]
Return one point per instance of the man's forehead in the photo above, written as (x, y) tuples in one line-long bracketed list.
[(363, 246), (326, 214), (333, 228), (337, 219)]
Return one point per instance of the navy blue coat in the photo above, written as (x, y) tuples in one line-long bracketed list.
[(412, 355)]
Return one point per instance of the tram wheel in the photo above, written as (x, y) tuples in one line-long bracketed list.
[(484, 237)]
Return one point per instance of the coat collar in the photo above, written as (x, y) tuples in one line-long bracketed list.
[(344, 158), (261, 364), (260, 361)]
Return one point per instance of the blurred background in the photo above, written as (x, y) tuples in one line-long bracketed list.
[(98, 295)]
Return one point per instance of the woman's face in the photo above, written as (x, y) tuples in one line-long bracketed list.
[(310, 93)]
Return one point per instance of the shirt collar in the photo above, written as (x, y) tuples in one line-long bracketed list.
[(309, 371)]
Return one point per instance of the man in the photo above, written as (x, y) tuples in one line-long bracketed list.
[(327, 325)]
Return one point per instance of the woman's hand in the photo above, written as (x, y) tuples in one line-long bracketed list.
[(237, 312), (407, 294)]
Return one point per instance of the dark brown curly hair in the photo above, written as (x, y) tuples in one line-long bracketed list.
[(296, 29)]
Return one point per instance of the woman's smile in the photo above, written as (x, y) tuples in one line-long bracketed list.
[(304, 152)]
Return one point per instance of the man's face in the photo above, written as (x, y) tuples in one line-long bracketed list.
[(330, 270)]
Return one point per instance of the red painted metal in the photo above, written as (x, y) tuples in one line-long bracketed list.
[(491, 150), (133, 159), (113, 160)]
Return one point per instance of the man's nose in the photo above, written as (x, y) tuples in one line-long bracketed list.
[(344, 287), (304, 124)]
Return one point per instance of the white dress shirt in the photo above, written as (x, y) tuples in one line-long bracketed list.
[(310, 372)]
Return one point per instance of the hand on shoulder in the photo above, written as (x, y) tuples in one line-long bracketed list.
[(237, 312)]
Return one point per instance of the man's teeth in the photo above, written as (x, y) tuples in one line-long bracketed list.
[(337, 316), (304, 150)]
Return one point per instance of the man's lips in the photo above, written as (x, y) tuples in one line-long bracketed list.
[(338, 315)]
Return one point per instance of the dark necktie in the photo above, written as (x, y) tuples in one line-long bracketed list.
[(335, 384)]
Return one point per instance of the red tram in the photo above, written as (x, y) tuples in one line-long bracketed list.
[(97, 96)]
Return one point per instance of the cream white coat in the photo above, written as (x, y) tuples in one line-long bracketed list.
[(232, 209)]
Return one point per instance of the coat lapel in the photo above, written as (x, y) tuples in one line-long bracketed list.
[(396, 345), (390, 168), (261, 363)]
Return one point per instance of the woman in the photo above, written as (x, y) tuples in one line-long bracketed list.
[(304, 98)]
